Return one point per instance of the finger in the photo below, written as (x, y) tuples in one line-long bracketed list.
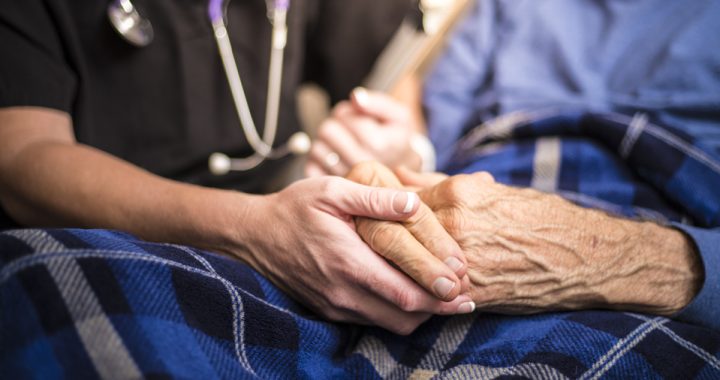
[(392, 318), (422, 248), (344, 107), (428, 231), (363, 128), (401, 290), (423, 227), (361, 306), (379, 105), (394, 242), (352, 199), (313, 169), (413, 245), (465, 284), (422, 180), (337, 137), (373, 173), (330, 161)]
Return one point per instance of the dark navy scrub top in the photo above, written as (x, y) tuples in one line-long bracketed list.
[(166, 107)]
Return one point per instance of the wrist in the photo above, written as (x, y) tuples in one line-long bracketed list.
[(237, 228), (217, 220), (680, 253), (661, 272)]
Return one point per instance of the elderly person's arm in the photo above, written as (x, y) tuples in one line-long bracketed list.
[(530, 252)]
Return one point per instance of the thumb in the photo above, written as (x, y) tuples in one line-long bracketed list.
[(378, 105), (374, 202)]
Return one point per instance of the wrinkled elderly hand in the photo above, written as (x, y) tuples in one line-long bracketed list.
[(419, 245), (529, 251)]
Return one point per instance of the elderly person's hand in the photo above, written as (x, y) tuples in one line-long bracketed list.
[(370, 126), (529, 251), (419, 245)]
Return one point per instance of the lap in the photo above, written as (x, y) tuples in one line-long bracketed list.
[(85, 303)]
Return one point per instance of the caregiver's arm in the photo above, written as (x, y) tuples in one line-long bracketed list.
[(294, 237)]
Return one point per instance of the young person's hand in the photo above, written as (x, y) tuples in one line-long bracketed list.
[(304, 240)]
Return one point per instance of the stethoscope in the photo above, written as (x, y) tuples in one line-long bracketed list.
[(138, 31)]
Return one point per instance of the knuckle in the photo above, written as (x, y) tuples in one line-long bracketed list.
[(406, 300), (384, 239), (339, 300), (404, 329), (421, 220), (376, 202), (330, 187), (411, 264), (408, 325), (485, 177), (454, 187), (363, 172), (454, 221)]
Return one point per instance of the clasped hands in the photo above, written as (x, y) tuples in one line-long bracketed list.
[(527, 251), (467, 241)]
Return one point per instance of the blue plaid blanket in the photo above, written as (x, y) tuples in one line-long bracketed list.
[(628, 166), (95, 303)]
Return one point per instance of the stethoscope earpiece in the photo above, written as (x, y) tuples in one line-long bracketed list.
[(131, 26)]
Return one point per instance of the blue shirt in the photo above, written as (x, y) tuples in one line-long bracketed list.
[(658, 57)]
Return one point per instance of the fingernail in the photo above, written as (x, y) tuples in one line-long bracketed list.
[(453, 263), (404, 202), (466, 307), (361, 96), (443, 286)]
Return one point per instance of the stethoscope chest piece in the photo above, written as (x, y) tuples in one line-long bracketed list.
[(126, 20)]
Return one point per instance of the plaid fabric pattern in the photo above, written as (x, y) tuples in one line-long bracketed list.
[(95, 303), (628, 166), (92, 303)]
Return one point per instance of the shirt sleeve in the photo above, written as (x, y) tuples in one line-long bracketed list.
[(346, 40), (452, 87), (705, 307), (33, 68)]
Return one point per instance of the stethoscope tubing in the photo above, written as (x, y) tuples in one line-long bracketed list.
[(263, 147)]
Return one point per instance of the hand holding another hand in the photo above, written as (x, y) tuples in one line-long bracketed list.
[(370, 126), (418, 245), (304, 241), (530, 252)]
